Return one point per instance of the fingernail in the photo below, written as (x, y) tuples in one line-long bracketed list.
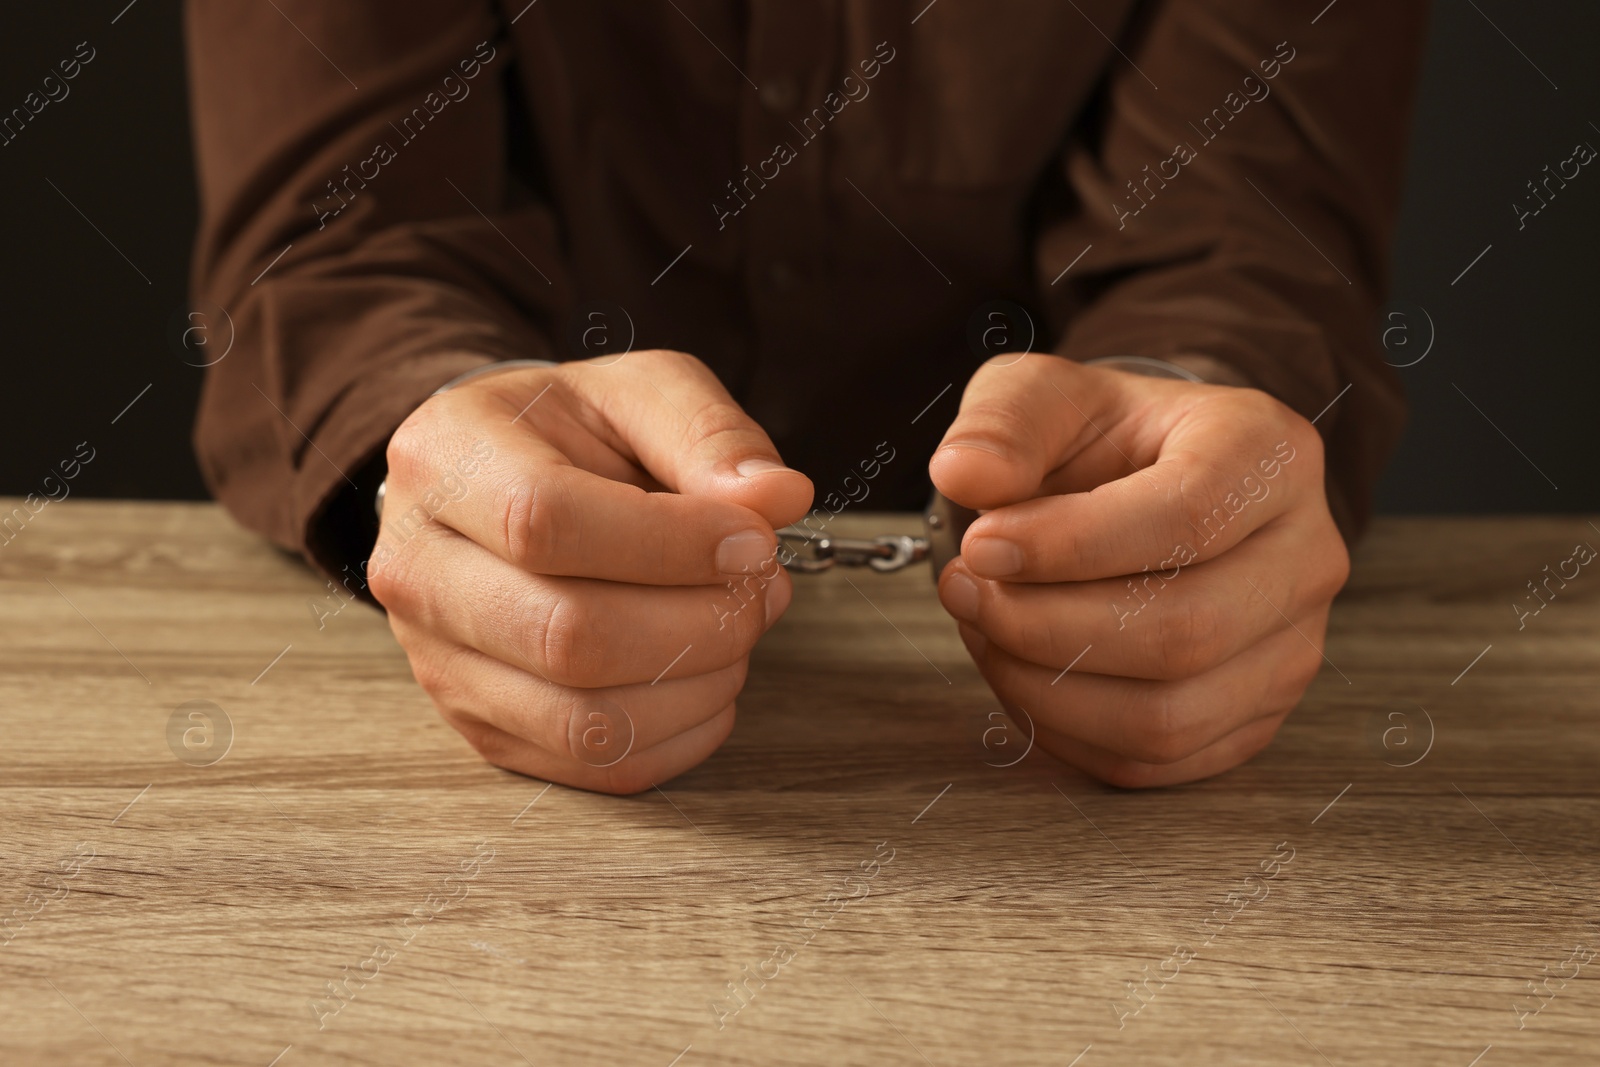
[(974, 443), (779, 593), (960, 597), (744, 552), (993, 557), (752, 467)]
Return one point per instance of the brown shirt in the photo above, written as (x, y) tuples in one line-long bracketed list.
[(819, 198)]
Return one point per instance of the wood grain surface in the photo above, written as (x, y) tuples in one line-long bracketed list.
[(857, 861)]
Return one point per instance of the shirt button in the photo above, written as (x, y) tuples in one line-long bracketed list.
[(779, 93)]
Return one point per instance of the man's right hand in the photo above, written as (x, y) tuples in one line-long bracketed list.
[(579, 559)]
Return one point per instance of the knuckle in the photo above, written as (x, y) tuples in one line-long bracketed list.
[(445, 675), (393, 580), (1298, 665), (1337, 571), (572, 726), (1303, 669), (594, 731), (733, 641), (427, 674), (494, 745), (1202, 492), (431, 674), (683, 359), (560, 645), (1186, 637), (407, 521), (1318, 583), (1038, 642), (1006, 418), (731, 681), (1262, 416), (1284, 424), (716, 418), (385, 585), (635, 774), (739, 609), (1166, 733), (674, 363), (1260, 405), (537, 522), (730, 646), (412, 443)]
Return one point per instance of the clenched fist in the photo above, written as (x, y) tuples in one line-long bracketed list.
[(1167, 541), (556, 554)]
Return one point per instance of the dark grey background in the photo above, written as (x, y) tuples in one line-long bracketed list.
[(87, 325)]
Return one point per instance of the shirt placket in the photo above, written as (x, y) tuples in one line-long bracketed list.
[(792, 55)]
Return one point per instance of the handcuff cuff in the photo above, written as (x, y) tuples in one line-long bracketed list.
[(944, 521)]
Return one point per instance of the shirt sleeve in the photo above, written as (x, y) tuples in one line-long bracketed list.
[(362, 233), (1232, 198)]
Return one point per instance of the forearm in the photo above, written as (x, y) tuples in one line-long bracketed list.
[(353, 292), (1251, 250)]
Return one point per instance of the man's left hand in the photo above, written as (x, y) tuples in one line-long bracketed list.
[(1169, 542)]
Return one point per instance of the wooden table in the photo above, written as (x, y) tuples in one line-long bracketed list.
[(857, 857)]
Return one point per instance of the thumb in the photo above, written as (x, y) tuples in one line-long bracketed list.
[(692, 436), (1020, 419)]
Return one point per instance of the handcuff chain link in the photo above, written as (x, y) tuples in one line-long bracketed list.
[(819, 552)]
